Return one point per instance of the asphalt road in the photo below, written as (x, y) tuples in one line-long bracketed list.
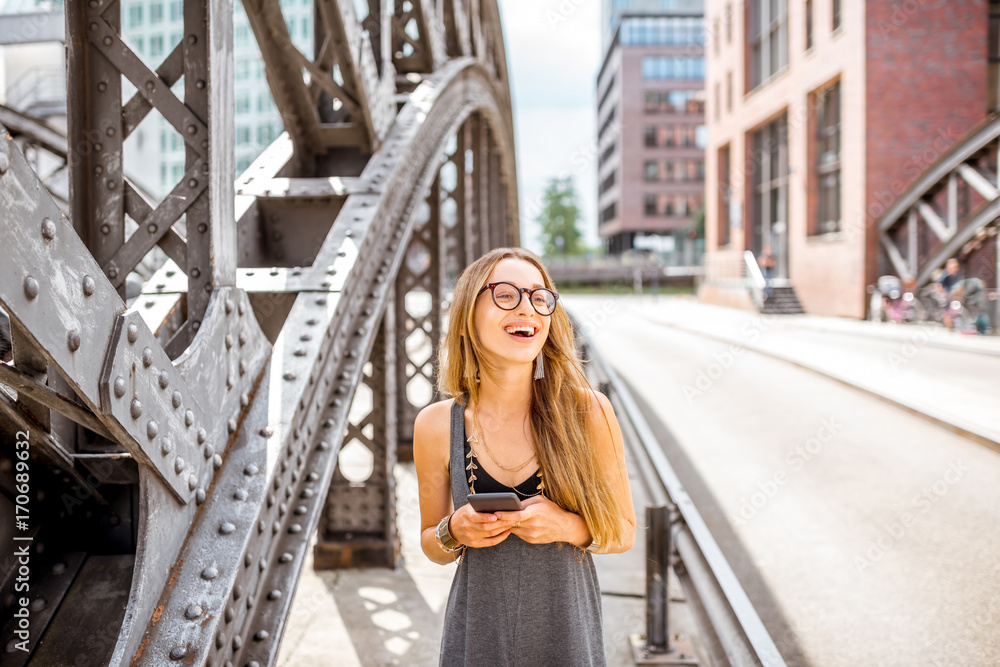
[(863, 533)]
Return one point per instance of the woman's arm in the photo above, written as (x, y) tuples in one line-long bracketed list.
[(431, 454)]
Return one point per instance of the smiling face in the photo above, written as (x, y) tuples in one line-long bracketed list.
[(515, 336)]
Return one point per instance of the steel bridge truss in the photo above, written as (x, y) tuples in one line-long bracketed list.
[(184, 443), (950, 211)]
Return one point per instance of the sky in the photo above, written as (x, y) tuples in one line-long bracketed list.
[(553, 54)]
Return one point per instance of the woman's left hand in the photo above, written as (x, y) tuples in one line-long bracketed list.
[(542, 521)]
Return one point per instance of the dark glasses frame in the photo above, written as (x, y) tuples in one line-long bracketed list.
[(521, 291)]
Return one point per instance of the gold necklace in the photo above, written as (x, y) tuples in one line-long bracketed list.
[(479, 428)]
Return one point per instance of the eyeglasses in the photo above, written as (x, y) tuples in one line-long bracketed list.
[(508, 297)]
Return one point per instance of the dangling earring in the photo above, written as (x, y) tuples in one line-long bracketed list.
[(540, 366)]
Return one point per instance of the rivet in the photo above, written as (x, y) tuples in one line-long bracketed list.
[(88, 286), (108, 42), (192, 182), (307, 493), (197, 323), (251, 470), (192, 129), (110, 132), (295, 528), (209, 573), (323, 445), (305, 338), (229, 381), (48, 229), (290, 375), (229, 306), (261, 635), (242, 337), (164, 379), (240, 308), (240, 494), (73, 340), (101, 87), (237, 642), (274, 594), (152, 429), (266, 432), (244, 400), (37, 604), (100, 170), (226, 528), (285, 558), (196, 272), (178, 465), (192, 39), (200, 84), (209, 451), (147, 357), (177, 652), (229, 614), (199, 496), (112, 184), (231, 425), (135, 409), (220, 641), (202, 435), (299, 352), (192, 481), (275, 528), (312, 321), (193, 611), (243, 366), (152, 228), (176, 400), (321, 301), (133, 332), (282, 508), (98, 147), (150, 85), (59, 568), (312, 477), (300, 510), (202, 227), (166, 446), (113, 273), (30, 286), (216, 461)]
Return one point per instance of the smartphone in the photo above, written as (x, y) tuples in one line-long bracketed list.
[(488, 503)]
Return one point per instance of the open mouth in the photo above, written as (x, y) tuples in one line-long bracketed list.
[(522, 331)]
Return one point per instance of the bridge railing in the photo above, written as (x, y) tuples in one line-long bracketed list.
[(733, 630)]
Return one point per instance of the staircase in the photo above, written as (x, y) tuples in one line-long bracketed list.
[(783, 301)]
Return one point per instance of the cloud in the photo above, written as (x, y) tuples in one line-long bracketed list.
[(553, 54)]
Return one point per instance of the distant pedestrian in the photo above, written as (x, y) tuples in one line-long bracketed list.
[(522, 418), (766, 264), (949, 280)]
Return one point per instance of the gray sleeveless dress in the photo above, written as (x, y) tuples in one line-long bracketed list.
[(518, 604)]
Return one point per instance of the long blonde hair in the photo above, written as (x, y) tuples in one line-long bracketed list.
[(561, 402)]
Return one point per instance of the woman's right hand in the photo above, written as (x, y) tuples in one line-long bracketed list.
[(476, 529)]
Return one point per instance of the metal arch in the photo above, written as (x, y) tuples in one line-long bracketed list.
[(233, 443), (933, 219)]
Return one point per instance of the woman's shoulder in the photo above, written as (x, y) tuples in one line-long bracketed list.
[(435, 419), (593, 401)]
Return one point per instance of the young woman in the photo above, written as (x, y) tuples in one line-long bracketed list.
[(522, 418)]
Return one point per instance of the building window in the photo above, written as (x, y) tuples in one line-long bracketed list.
[(651, 172), (768, 39), (993, 46), (155, 13), (609, 212), (675, 101), (715, 36), (156, 46), (729, 23), (607, 182), (135, 16), (729, 92), (650, 205), (827, 162), (716, 101), (661, 30), (176, 10), (809, 24), (725, 194), (605, 155), (649, 136), (673, 67), (607, 92), (607, 122), (769, 188), (836, 14)]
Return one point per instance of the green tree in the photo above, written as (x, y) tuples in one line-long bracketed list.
[(559, 217)]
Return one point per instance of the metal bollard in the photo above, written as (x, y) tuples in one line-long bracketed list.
[(657, 566)]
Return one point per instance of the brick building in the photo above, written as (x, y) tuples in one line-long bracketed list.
[(819, 116), (650, 119)]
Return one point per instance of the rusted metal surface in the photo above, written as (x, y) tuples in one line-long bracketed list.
[(191, 435)]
